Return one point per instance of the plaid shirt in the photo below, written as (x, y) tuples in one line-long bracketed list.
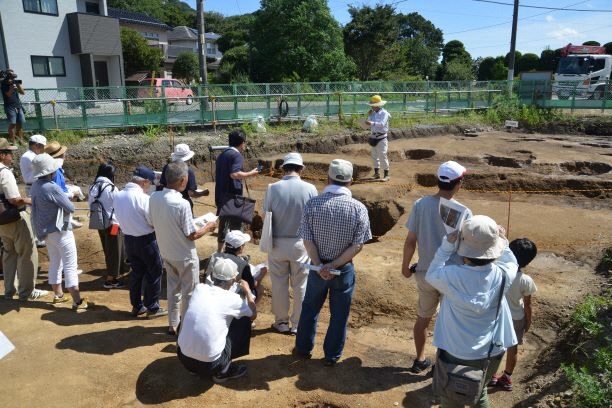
[(334, 222)]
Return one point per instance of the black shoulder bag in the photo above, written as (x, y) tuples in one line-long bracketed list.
[(8, 212)]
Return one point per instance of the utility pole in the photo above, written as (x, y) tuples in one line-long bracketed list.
[(513, 42), (202, 44)]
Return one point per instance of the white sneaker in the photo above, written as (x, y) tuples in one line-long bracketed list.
[(76, 224), (294, 331), (79, 271), (281, 327), (38, 293)]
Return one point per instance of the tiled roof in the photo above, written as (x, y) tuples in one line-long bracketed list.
[(136, 18), (188, 33)]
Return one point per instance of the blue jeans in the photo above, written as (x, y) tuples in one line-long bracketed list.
[(340, 290), (146, 264), (15, 115)]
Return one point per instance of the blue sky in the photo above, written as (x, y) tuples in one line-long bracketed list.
[(484, 28)]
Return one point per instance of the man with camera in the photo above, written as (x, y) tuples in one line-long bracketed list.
[(11, 87)]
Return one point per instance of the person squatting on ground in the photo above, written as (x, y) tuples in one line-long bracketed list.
[(58, 152), (36, 145), (469, 321), (11, 88), (519, 301), (229, 175), (132, 211), (334, 228), (205, 344), (183, 153), (50, 204), (378, 120), (19, 256), (104, 190), (233, 249), (176, 232), (426, 229), (286, 200)]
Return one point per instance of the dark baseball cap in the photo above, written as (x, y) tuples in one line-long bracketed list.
[(145, 173)]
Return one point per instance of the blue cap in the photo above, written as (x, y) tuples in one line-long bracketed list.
[(145, 173)]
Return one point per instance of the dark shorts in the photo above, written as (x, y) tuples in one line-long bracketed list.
[(15, 115), (207, 369)]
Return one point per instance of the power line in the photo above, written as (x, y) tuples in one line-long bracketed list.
[(544, 8)]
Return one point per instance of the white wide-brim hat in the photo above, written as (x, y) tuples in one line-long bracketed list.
[(481, 238), (43, 164), (181, 152)]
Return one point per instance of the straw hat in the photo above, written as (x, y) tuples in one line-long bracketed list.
[(55, 149), (376, 100)]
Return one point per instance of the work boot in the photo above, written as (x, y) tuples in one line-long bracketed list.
[(376, 175), (386, 175)]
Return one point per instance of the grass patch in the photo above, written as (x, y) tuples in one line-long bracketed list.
[(66, 137)]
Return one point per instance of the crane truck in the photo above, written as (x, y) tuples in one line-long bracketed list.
[(583, 71)]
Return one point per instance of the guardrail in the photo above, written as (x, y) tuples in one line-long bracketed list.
[(91, 108)]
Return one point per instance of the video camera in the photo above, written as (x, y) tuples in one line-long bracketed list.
[(9, 75)]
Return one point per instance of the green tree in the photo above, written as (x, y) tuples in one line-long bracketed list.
[(235, 64), (458, 70), (549, 60), (369, 33), (517, 56), (186, 66), (297, 40), (608, 47), (527, 62), (455, 50), (596, 43), (137, 54), (171, 12), (422, 42), (485, 68), (499, 72)]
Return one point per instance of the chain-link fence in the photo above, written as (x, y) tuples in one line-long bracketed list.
[(107, 107)]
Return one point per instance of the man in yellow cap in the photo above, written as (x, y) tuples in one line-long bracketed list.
[(378, 120)]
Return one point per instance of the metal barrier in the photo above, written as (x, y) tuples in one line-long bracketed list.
[(107, 107)]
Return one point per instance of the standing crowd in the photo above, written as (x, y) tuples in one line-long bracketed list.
[(470, 277)]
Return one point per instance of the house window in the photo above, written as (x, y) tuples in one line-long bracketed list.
[(48, 66), (92, 8), (41, 7)]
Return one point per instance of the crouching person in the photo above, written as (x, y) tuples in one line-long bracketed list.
[(210, 330)]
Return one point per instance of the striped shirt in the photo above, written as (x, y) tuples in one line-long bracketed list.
[(334, 221)]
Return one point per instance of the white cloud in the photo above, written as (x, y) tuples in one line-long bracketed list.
[(565, 33), (550, 19)]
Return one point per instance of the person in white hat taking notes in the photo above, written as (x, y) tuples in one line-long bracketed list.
[(378, 120)]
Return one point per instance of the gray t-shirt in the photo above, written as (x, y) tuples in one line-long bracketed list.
[(425, 221), (286, 199)]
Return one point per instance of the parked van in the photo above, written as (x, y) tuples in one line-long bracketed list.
[(174, 90)]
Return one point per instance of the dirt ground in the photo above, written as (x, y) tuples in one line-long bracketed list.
[(106, 358)]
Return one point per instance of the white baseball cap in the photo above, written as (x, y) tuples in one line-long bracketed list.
[(341, 170), (224, 269), (450, 170), (293, 158), (481, 238), (236, 238), (40, 139)]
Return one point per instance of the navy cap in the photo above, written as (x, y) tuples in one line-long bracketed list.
[(145, 173)]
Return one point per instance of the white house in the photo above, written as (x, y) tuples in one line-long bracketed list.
[(183, 38), (60, 43)]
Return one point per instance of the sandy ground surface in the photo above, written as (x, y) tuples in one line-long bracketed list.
[(104, 357)]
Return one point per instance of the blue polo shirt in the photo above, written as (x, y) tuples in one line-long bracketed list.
[(228, 162)]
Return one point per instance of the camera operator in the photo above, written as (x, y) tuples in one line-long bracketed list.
[(11, 88)]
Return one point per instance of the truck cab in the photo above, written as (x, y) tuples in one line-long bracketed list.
[(583, 71)]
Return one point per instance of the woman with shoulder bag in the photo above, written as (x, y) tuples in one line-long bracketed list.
[(474, 327), (103, 191)]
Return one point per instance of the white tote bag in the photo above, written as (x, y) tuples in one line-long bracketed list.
[(266, 241)]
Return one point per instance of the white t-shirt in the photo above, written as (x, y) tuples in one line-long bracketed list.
[(209, 315), (522, 286), (25, 164)]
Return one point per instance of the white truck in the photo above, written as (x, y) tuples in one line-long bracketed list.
[(584, 72)]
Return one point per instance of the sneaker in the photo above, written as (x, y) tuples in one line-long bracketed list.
[(76, 224), (376, 176), (281, 327), (419, 366), (79, 271), (301, 354), (330, 362), (137, 311), (37, 293), (505, 382), (84, 305), (65, 298), (386, 178), (493, 380), (113, 284), (158, 313), (293, 331), (41, 244), (235, 370)]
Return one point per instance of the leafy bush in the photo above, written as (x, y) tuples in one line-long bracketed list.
[(151, 134), (592, 381), (66, 137), (510, 108)]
